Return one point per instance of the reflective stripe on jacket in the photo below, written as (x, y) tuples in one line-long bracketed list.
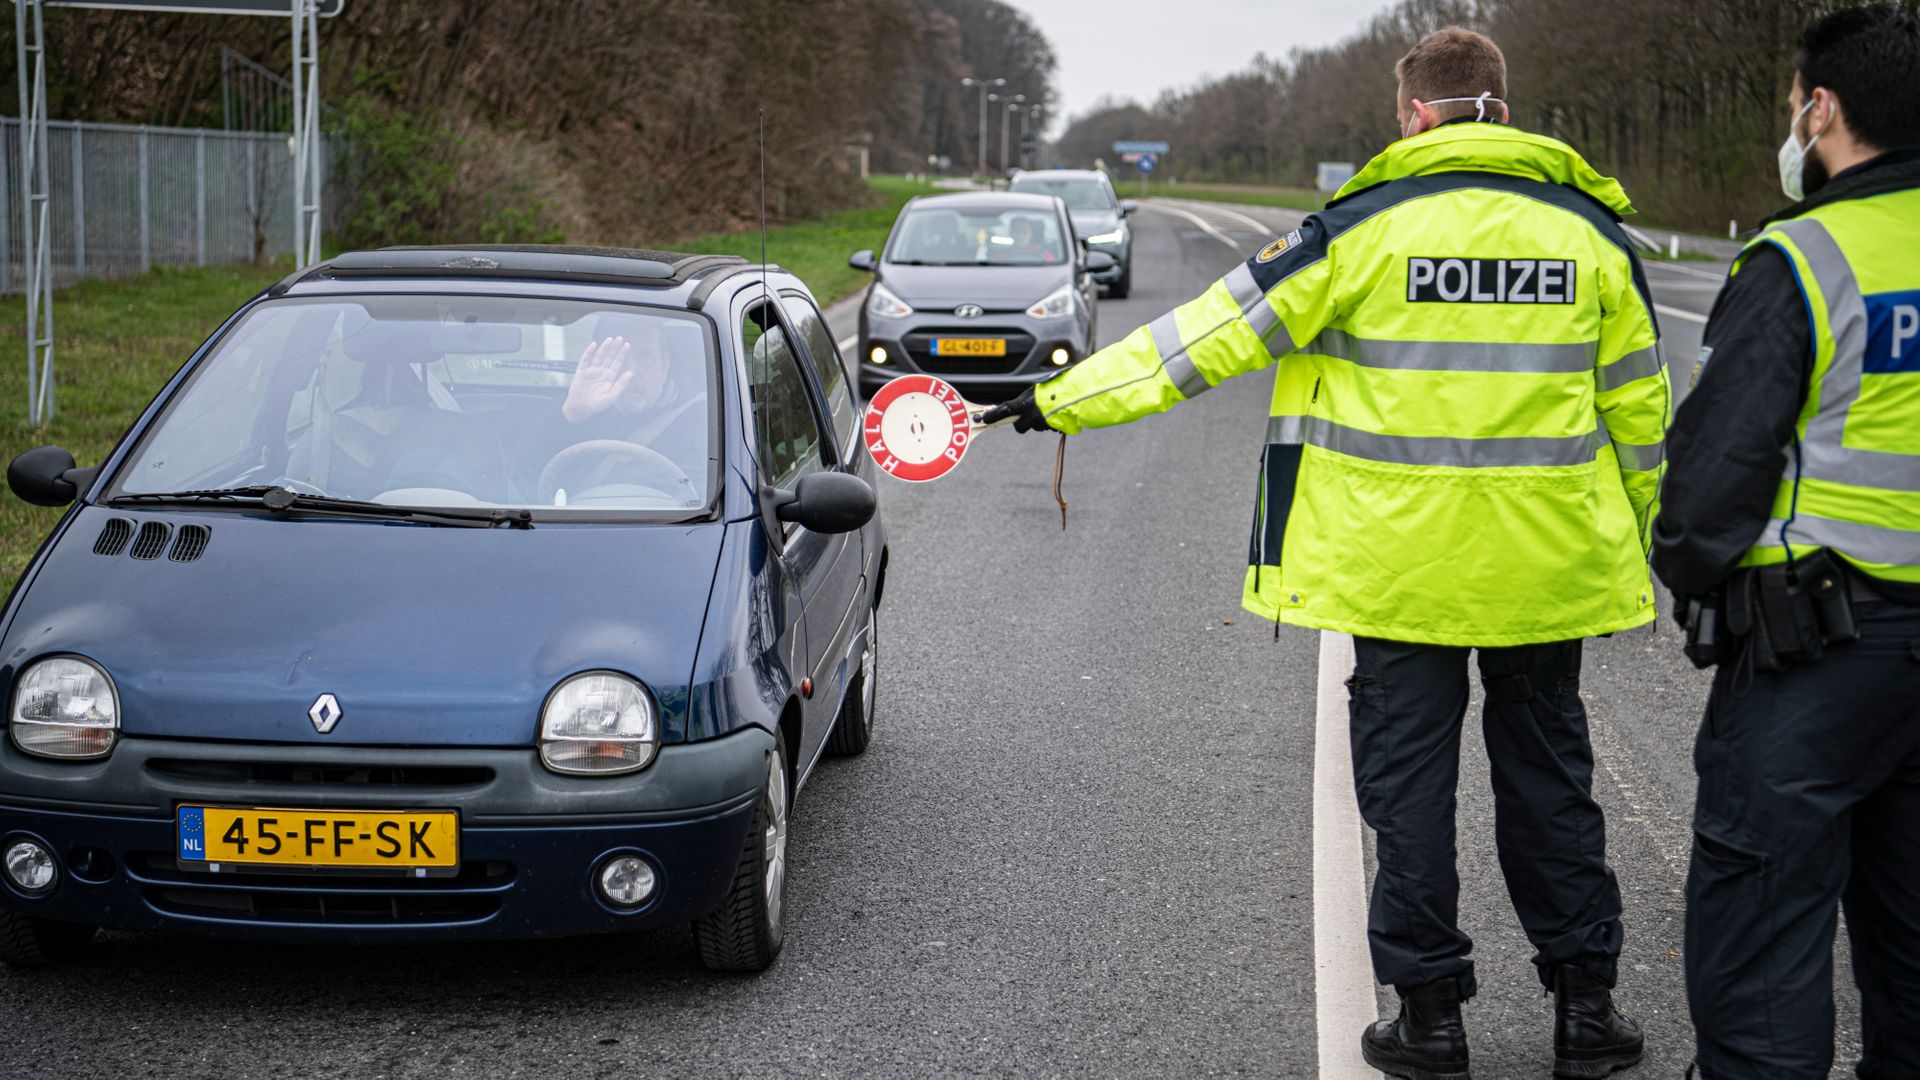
[(1469, 406), (1851, 481)]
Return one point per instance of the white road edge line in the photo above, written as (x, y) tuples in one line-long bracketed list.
[(1257, 225), (1679, 269), (1681, 313), (1197, 220), (846, 342), (1344, 1000)]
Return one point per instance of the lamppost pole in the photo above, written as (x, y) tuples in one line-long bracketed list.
[(980, 159), (1013, 106)]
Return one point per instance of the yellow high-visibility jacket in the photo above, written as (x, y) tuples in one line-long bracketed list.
[(1851, 480), (1469, 408)]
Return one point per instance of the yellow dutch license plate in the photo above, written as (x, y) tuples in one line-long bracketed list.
[(410, 840), (969, 346)]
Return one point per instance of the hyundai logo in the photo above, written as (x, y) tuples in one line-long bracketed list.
[(325, 713), (969, 311)]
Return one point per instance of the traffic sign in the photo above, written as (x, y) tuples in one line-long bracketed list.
[(1139, 146), (1145, 164), (918, 428)]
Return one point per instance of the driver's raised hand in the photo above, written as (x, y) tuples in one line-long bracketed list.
[(598, 381)]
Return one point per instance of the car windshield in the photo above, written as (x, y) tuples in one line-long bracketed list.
[(420, 400), (1078, 193), (939, 236)]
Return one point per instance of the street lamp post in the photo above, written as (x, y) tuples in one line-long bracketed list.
[(980, 159), (1013, 106)]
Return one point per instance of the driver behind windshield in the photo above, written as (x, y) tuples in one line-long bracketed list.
[(624, 390), (1026, 241)]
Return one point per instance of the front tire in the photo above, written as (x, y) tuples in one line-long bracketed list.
[(745, 932), (1122, 285), (853, 729), (29, 942)]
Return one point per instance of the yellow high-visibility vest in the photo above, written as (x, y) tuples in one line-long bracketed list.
[(1851, 479), (1469, 408)]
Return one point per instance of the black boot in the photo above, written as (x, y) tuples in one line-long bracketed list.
[(1591, 1038), (1426, 1041)]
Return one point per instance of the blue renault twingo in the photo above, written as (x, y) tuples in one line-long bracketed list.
[(448, 594)]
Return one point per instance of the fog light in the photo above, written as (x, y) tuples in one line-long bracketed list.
[(878, 355), (30, 867), (626, 881), (1060, 357)]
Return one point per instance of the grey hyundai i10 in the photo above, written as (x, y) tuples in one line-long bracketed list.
[(987, 290)]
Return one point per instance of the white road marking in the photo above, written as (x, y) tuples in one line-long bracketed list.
[(846, 343), (1197, 220), (1258, 226), (1679, 268), (1681, 313), (1344, 999)]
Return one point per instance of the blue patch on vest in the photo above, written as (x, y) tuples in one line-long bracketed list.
[(1893, 333)]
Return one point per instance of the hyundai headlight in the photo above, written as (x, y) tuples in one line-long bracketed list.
[(883, 303), (597, 724), (1113, 237), (65, 707), (1057, 303)]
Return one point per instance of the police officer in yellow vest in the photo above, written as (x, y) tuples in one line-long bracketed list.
[(1790, 535), (1464, 451)]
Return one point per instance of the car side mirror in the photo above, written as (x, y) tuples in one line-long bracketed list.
[(1099, 262), (825, 502), (1127, 207), (45, 476), (862, 260)]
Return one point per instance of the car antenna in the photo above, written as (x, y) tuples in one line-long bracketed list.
[(763, 205)]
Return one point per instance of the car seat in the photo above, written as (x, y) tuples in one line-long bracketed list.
[(400, 430)]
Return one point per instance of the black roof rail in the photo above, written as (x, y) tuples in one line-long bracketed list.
[(617, 266), (712, 281), (279, 288)]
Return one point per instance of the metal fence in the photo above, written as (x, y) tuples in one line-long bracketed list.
[(126, 199)]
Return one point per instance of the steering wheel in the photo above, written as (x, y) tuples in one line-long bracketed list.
[(612, 452)]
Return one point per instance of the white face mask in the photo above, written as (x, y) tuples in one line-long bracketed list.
[(1793, 158), (1481, 101)]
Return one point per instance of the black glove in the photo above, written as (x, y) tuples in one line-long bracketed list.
[(1024, 410)]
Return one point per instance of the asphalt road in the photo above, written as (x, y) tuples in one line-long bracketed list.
[(1082, 844)]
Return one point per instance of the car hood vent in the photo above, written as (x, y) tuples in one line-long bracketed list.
[(151, 541), (189, 543), (113, 539)]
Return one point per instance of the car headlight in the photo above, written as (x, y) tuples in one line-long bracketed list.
[(1057, 303), (1113, 237), (65, 707), (883, 303), (596, 724)]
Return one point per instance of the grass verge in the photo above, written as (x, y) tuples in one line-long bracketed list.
[(117, 343), (1249, 194), (817, 250)]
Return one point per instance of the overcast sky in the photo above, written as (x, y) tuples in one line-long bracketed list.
[(1137, 48)]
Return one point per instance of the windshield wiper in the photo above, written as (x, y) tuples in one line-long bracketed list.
[(281, 500)]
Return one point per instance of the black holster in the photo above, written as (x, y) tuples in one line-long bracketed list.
[(1788, 614)]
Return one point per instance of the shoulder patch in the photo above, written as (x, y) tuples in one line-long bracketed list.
[(1280, 244), (1699, 365)]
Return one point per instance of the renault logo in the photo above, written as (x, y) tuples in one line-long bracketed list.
[(324, 713), (969, 311)]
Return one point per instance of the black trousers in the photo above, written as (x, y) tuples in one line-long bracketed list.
[(1406, 705), (1809, 798)]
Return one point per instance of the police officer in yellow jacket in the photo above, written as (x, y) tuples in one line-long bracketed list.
[(1790, 534), (1464, 450)]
